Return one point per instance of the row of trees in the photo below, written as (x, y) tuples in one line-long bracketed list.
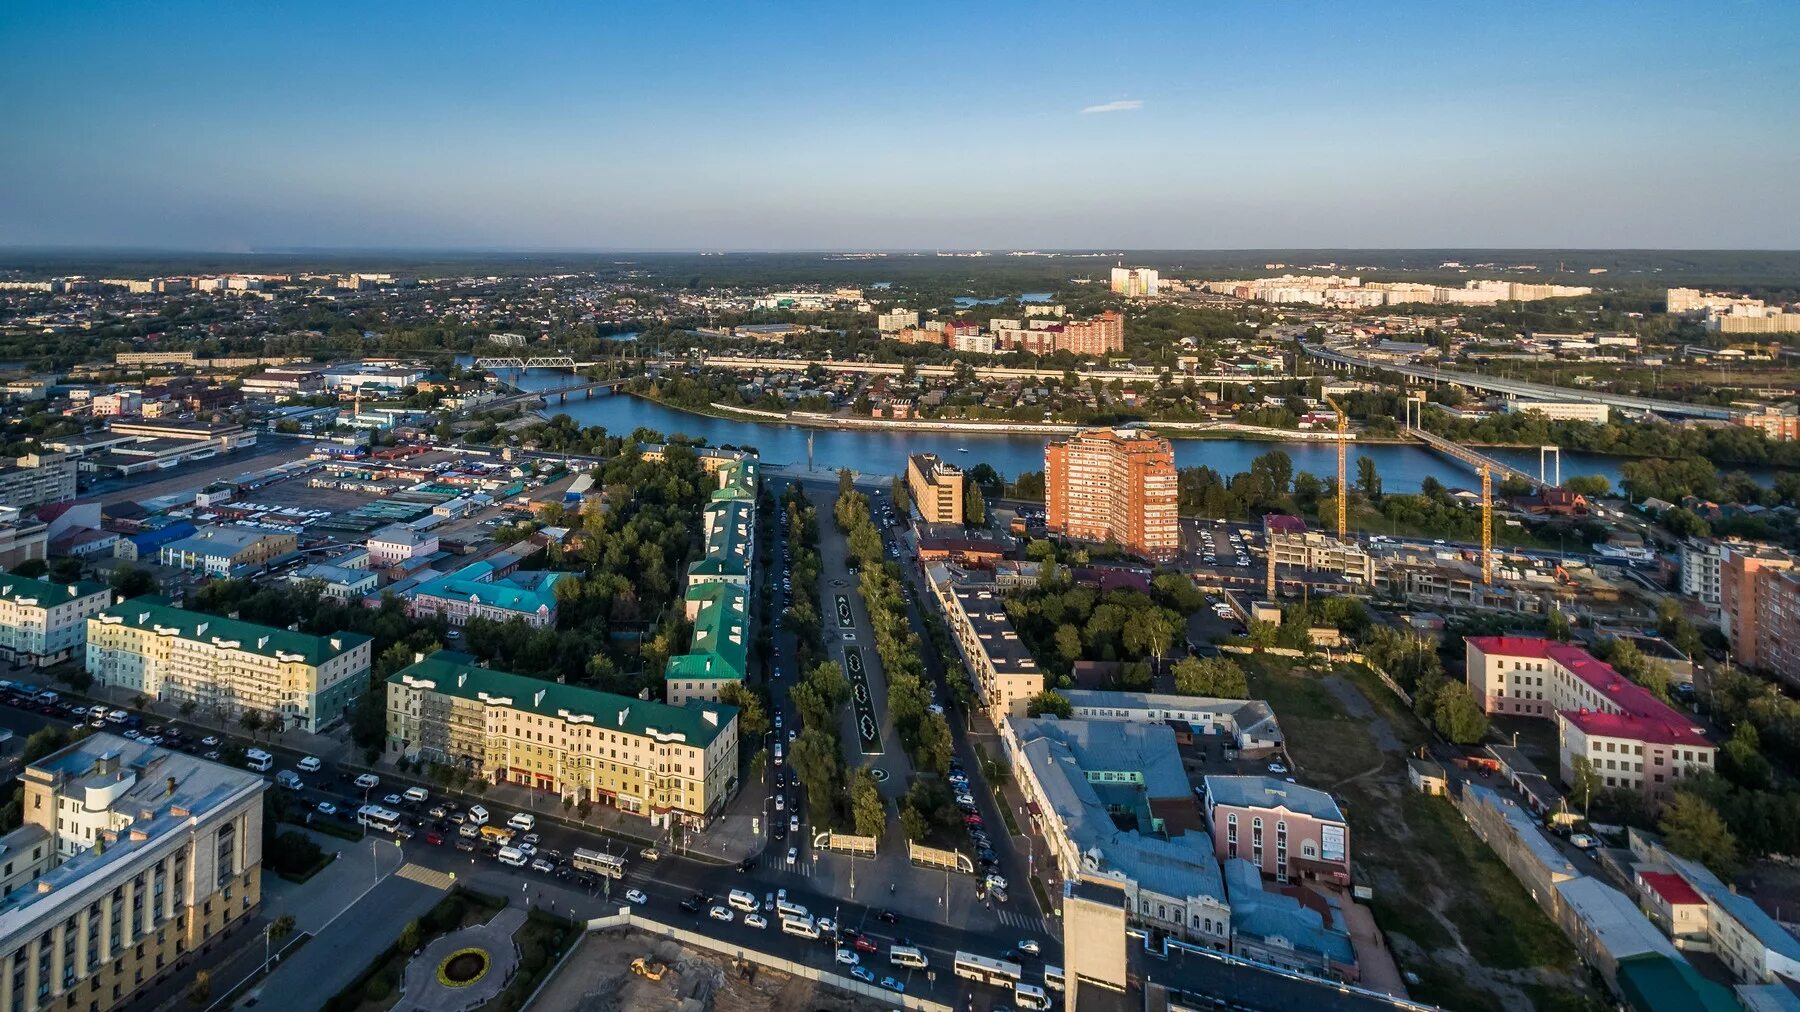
[(1062, 623), (925, 735)]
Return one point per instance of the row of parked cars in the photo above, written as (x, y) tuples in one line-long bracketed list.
[(986, 860)]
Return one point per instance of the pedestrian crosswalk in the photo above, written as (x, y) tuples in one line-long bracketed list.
[(776, 860), (425, 876), (1022, 921)]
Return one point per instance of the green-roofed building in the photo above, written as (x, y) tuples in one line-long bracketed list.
[(719, 652), (644, 757), (42, 622), (1653, 983), (737, 480), (226, 666)]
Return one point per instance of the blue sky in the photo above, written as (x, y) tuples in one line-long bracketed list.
[(761, 125)]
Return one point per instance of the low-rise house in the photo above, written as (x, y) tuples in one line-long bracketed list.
[(1288, 831)]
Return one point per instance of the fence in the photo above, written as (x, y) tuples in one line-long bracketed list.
[(628, 918), (934, 857), (846, 843)]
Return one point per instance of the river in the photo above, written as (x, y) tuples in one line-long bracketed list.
[(1402, 466)]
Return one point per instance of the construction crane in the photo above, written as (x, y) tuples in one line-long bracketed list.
[(1487, 525), (1343, 489), (1269, 548)]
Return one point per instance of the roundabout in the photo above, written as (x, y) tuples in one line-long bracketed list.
[(464, 969)]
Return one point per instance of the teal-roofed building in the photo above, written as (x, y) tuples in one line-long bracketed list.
[(718, 584), (474, 592), (1652, 983), (42, 622), (640, 756), (226, 666)]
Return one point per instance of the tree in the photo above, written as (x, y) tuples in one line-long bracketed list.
[(1584, 783), (251, 721), (1368, 479), (935, 745), (974, 506), (753, 716), (1068, 642), (1694, 829), (281, 927), (1216, 677), (130, 581), (1457, 716), (1742, 760), (1557, 626), (188, 708), (1151, 631), (1589, 485), (868, 814), (816, 762), (200, 992), (1050, 702)]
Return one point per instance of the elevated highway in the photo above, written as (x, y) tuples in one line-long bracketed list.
[(1522, 388)]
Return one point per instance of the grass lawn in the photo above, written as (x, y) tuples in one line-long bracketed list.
[(1435, 885)]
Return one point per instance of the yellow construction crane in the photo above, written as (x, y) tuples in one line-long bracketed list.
[(1487, 525), (1343, 491), (1269, 547)]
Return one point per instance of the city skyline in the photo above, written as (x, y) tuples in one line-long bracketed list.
[(1054, 127)]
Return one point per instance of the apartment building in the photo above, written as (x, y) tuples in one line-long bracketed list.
[(718, 585), (1315, 551), (1778, 624), (225, 551), (1134, 282), (1076, 775), (1289, 832), (36, 479), (1703, 572), (42, 623), (896, 320), (1114, 485), (22, 537), (1782, 425), (1630, 738), (639, 756), (132, 861), (227, 666), (399, 543), (1745, 571), (475, 592), (936, 487), (1006, 676)]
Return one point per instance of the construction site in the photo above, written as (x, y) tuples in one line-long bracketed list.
[(624, 970)]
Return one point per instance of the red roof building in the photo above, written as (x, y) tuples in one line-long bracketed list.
[(1628, 736)]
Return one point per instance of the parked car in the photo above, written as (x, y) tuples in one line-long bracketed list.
[(863, 973), (893, 985)]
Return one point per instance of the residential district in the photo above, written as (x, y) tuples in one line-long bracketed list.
[(369, 642)]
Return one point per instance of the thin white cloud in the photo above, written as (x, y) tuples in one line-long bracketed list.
[(1122, 105)]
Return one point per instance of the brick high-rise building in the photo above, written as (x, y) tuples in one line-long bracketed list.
[(1102, 335), (936, 487), (1742, 578), (1115, 485), (1778, 624)]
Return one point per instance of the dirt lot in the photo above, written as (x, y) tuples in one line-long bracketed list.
[(597, 978), (1455, 917)]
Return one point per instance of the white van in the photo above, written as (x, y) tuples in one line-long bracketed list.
[(289, 779), (742, 900), (801, 926), (478, 815), (368, 781), (1030, 996), (512, 857), (258, 760), (416, 795), (786, 909), (906, 955), (522, 821)]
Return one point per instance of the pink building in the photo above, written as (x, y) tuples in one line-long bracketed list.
[(1288, 831), (1628, 736)]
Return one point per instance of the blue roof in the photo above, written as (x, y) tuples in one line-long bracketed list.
[(1262, 914), (148, 541), (1268, 792)]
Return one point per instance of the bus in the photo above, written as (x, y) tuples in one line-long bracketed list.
[(1053, 977), (377, 817), (597, 862), (257, 759), (1028, 996), (997, 972)]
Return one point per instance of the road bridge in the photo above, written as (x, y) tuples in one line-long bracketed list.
[(1477, 460), (1523, 388)]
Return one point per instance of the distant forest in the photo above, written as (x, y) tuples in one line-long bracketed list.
[(1767, 272)]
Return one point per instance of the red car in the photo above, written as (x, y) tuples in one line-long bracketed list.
[(972, 820), (862, 944), (435, 839)]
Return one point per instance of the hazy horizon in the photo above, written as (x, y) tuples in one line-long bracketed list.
[(208, 127)]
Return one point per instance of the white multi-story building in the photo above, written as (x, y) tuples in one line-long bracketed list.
[(1134, 282), (397, 543), (1560, 411), (41, 622), (1702, 572), (226, 666), (895, 320)]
